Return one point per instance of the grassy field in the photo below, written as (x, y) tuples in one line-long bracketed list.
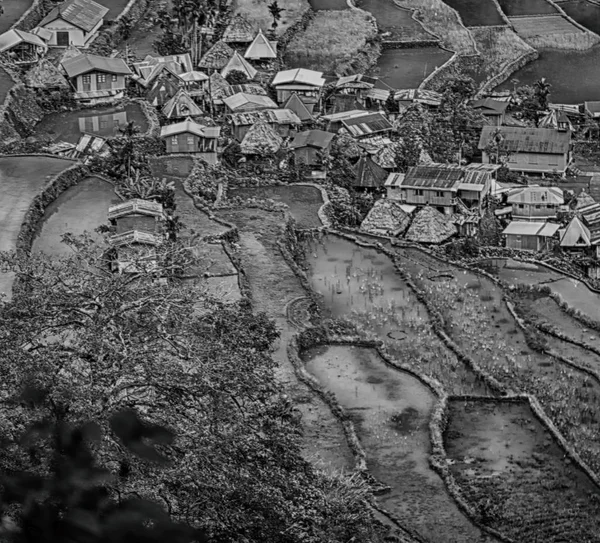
[(499, 47), (13, 9), (332, 38), (444, 22), (554, 32), (257, 12)]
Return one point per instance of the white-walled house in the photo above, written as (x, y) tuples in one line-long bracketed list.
[(74, 22)]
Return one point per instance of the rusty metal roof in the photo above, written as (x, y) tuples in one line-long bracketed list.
[(83, 64), (84, 14), (365, 125), (312, 138), (278, 116), (527, 140)]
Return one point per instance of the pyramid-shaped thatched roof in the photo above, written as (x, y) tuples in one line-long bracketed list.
[(261, 139), (386, 218), (69, 53), (237, 62), (369, 174), (583, 200), (261, 48), (430, 226), (346, 146), (44, 74), (181, 105), (217, 86), (217, 57), (239, 30), (295, 103)]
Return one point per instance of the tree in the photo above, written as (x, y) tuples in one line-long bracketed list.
[(99, 343), (408, 149), (542, 92), (275, 10), (236, 77)]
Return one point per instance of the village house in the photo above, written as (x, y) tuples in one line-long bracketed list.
[(369, 176), (216, 58), (408, 97), (576, 236), (529, 150), (194, 82), (535, 203), (190, 137), (283, 121), (557, 120), (367, 125), (307, 84), (592, 109), (180, 106), (239, 32), (493, 111), (333, 121), (446, 187), (307, 146), (590, 217), (261, 49), (531, 236), (355, 86), (139, 229), (302, 110), (163, 87), (244, 102), (238, 63), (262, 140), (74, 22), (22, 47), (96, 79)]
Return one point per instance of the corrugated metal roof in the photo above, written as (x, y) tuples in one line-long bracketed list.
[(318, 139), (299, 76), (13, 37), (443, 176), (536, 195), (242, 99), (381, 95), (83, 64), (84, 14), (489, 106), (356, 81), (278, 116), (343, 115), (299, 107), (395, 180), (526, 228), (135, 206), (364, 125), (575, 234), (527, 140), (191, 127), (194, 75)]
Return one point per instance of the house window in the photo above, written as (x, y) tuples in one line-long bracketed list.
[(538, 206), (190, 140), (173, 140), (114, 78), (86, 78), (553, 160), (418, 192), (101, 78), (103, 124), (439, 193), (521, 206)]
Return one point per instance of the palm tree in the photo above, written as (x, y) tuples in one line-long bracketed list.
[(542, 91), (275, 12)]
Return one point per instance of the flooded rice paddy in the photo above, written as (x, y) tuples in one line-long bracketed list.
[(477, 12), (514, 8), (585, 13), (80, 209), (102, 121)]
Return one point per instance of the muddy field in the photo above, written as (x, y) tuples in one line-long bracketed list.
[(515, 473)]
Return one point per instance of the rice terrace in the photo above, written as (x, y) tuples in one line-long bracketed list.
[(300, 271)]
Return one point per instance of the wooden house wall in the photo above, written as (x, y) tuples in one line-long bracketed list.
[(534, 162), (142, 223), (190, 143)]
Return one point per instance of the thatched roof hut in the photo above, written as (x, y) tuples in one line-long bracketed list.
[(239, 30), (369, 174), (217, 57), (386, 218), (237, 62), (430, 226), (262, 139), (346, 146), (45, 75), (217, 86)]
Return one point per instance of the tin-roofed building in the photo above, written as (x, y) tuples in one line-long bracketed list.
[(529, 150), (284, 121), (367, 125), (74, 22), (244, 102), (535, 203), (307, 84), (307, 145), (191, 137), (96, 79), (531, 236)]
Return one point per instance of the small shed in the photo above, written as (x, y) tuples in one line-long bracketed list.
[(530, 236), (307, 146), (191, 137), (261, 140), (261, 48), (180, 106), (239, 31), (305, 83), (216, 58), (22, 47), (238, 63)]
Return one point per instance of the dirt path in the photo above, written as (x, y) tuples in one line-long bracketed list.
[(391, 412), (273, 285), (510, 466)]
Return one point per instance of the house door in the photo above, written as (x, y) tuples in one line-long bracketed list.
[(62, 39)]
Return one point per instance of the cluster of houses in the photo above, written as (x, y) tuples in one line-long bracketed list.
[(234, 95)]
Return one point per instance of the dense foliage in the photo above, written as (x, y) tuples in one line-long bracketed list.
[(97, 343)]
